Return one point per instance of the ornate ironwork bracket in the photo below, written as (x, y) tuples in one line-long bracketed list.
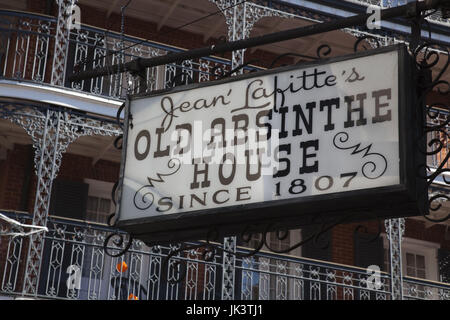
[(51, 130)]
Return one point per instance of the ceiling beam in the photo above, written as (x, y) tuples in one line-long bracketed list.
[(168, 14), (111, 8)]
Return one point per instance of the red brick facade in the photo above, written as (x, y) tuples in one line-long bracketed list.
[(73, 167)]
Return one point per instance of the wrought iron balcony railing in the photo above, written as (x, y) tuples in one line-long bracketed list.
[(73, 248), (26, 53), (436, 118)]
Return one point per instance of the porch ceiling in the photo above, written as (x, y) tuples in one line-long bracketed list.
[(95, 147), (177, 13)]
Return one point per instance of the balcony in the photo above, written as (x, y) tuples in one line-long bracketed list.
[(146, 273), (26, 55)]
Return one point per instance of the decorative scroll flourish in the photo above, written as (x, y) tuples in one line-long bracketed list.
[(360, 42), (118, 145), (434, 138), (144, 197), (118, 243), (373, 168), (120, 247), (220, 73), (436, 198), (323, 51)]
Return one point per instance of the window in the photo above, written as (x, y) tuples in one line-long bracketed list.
[(419, 258), (278, 244), (98, 209), (99, 203), (287, 240), (415, 265)]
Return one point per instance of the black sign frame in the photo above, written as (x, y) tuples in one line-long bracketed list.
[(408, 198)]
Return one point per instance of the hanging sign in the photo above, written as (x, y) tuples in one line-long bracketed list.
[(278, 146)]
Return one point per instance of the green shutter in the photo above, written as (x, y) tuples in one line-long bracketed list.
[(320, 249), (444, 265), (368, 251), (69, 199)]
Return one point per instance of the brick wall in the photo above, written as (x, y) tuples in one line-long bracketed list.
[(12, 176), (343, 240), (73, 167), (418, 230), (39, 6), (76, 168)]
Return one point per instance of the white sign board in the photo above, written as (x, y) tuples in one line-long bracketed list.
[(298, 132)]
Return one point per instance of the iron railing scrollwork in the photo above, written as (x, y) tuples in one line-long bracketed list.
[(258, 242), (438, 131)]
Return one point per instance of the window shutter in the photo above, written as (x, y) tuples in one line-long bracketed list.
[(444, 265), (368, 251), (69, 199), (319, 250)]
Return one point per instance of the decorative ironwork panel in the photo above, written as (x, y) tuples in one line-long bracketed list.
[(144, 273), (394, 231), (154, 273), (81, 53), (41, 51), (61, 41), (21, 50), (12, 264)]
